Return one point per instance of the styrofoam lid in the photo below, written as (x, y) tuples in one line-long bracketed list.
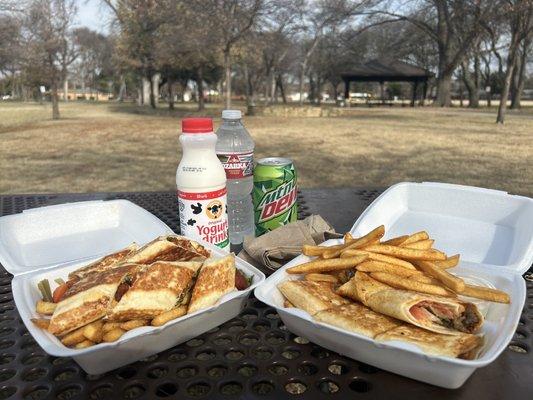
[(231, 114), (485, 226), (45, 237)]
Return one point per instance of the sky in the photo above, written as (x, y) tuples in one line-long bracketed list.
[(93, 14)]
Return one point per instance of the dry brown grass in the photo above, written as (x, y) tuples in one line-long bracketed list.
[(110, 147)]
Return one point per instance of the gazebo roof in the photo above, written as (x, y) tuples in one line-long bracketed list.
[(386, 70)]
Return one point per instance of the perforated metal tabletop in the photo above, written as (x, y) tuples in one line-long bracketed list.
[(252, 356)]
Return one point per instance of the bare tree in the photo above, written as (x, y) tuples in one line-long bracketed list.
[(454, 25), (232, 19), (519, 16), (45, 27)]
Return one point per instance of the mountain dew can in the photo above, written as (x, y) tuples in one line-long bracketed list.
[(274, 194)]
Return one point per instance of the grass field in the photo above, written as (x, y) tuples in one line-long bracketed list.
[(111, 147)]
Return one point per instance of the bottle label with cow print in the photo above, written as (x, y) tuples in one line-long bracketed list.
[(204, 216), (237, 165)]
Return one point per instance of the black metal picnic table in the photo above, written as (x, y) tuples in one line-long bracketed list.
[(251, 356)]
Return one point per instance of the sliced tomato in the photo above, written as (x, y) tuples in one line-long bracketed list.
[(59, 292), (241, 282)]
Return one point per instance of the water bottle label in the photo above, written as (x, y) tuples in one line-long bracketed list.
[(237, 165), (205, 216)]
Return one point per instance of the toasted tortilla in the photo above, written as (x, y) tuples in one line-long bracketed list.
[(158, 288), (311, 296), (358, 319), (434, 313), (104, 263), (189, 244), (461, 345), (89, 298), (216, 278), (361, 288), (162, 249)]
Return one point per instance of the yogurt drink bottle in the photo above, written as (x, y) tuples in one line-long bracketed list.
[(201, 182), (235, 149)]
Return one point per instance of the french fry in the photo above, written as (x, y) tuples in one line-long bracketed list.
[(363, 241), (321, 278), (396, 241), (134, 323), (310, 250), (109, 326), (347, 237), (450, 262), (94, 331), (84, 344), (333, 264), (378, 257), (45, 307), (425, 279), (73, 338), (420, 245), (378, 266), (113, 335), (163, 318), (409, 254), (409, 284), (416, 237), (485, 293), (42, 323), (451, 281)]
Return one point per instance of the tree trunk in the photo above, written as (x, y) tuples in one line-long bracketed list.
[(249, 92), (272, 87), (301, 84), (510, 65), (521, 74), (472, 86), (170, 84), (65, 90), (281, 89), (227, 68), (200, 86), (55, 100), (152, 92), (444, 89), (122, 90)]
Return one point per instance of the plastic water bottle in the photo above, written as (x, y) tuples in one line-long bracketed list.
[(235, 150)]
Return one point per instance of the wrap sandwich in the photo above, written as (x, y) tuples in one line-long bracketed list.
[(362, 320), (104, 263), (311, 296), (159, 287), (89, 298), (215, 279), (434, 313)]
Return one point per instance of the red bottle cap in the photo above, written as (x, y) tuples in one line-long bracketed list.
[(197, 125)]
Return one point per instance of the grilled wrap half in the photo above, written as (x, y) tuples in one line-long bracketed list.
[(89, 298), (158, 288), (434, 313)]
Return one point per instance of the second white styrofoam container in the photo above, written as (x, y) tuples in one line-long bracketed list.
[(479, 224), (72, 235)]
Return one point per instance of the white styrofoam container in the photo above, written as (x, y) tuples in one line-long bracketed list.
[(94, 229), (490, 229)]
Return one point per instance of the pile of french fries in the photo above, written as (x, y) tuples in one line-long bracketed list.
[(102, 331), (406, 262)]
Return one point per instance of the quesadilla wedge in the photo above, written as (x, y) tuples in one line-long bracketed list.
[(158, 288), (311, 296), (104, 263), (162, 249), (216, 278), (434, 313), (462, 345), (89, 298), (358, 319)]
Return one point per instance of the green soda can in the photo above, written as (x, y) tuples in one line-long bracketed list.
[(274, 194)]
